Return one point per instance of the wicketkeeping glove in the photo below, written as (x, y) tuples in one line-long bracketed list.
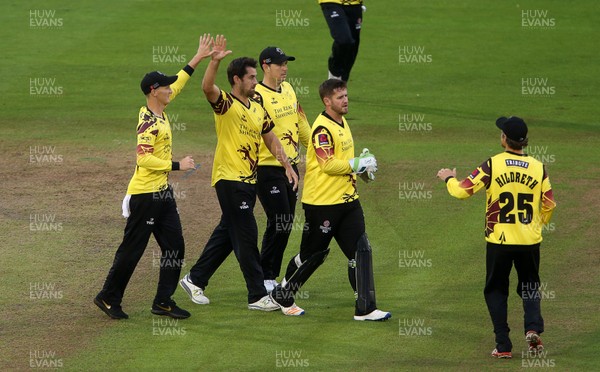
[(365, 162)]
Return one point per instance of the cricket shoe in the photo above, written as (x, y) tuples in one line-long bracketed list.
[(535, 341), (293, 310), (270, 284), (501, 354), (196, 293), (169, 308), (264, 304), (113, 311), (375, 315)]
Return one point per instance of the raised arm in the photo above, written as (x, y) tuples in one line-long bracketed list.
[(211, 91), (204, 50)]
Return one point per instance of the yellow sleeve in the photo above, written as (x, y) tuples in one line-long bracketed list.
[(177, 86), (325, 152), (146, 138), (303, 127), (476, 181), (548, 203)]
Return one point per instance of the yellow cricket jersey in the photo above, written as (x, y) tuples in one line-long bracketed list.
[(342, 2), (291, 126), (519, 197), (329, 179), (239, 129), (154, 146)]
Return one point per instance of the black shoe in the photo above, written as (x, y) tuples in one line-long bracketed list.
[(113, 311), (169, 308)]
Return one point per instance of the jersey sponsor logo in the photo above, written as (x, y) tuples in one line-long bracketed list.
[(275, 190), (325, 227), (474, 174), (323, 139), (516, 163), (244, 205), (150, 221), (334, 14)]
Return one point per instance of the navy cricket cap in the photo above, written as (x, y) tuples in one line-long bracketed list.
[(513, 127), (274, 55), (156, 79)]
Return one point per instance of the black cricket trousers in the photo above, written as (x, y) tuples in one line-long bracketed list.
[(345, 22), (278, 199), (237, 232), (499, 262), (151, 214)]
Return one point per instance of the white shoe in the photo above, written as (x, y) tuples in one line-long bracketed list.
[(332, 76), (196, 293), (375, 315), (264, 304), (293, 310), (270, 284)]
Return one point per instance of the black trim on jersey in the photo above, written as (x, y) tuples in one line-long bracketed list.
[(188, 69), (514, 153), (175, 165), (154, 115), (332, 119), (271, 89), (259, 98), (243, 104), (448, 178)]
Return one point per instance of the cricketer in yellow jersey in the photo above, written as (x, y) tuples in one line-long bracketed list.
[(332, 209), (150, 205), (519, 203), (241, 123), (274, 191)]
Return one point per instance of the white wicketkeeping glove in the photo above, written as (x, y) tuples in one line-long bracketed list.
[(365, 162)]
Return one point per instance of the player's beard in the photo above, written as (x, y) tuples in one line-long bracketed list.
[(341, 110)]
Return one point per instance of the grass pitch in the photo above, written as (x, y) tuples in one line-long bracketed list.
[(430, 80)]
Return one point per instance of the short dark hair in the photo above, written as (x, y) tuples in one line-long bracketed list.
[(238, 67), (516, 145), (327, 88)]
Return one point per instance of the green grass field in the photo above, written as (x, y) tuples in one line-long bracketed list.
[(430, 80)]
